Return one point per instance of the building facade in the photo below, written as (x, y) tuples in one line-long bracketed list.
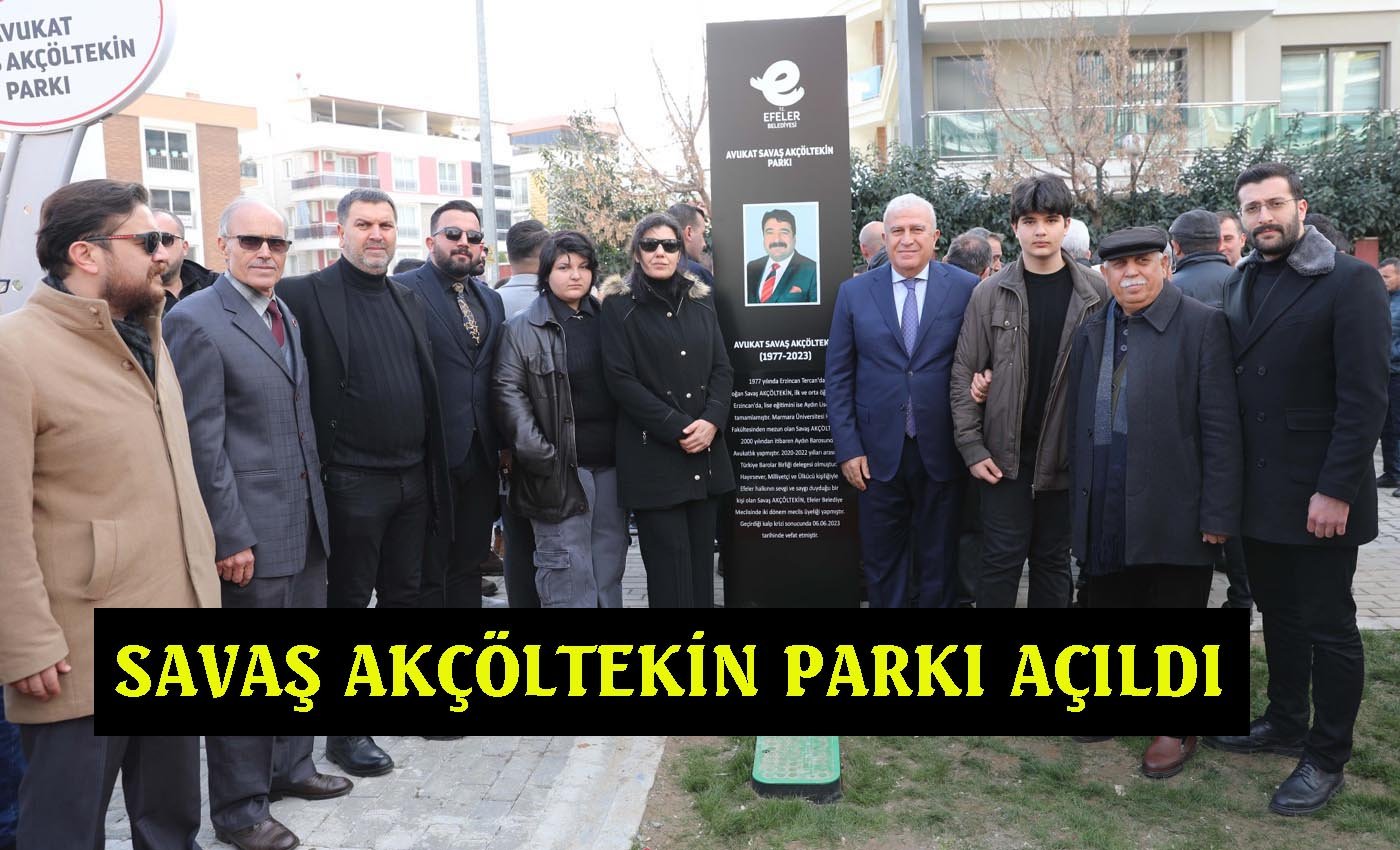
[(1252, 63), (305, 158), (527, 139)]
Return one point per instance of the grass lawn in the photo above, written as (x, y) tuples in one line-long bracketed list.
[(902, 793)]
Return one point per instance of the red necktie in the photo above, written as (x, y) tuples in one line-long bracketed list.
[(279, 333), (769, 283)]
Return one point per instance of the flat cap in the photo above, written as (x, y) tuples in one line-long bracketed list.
[(1131, 241), (1196, 226)]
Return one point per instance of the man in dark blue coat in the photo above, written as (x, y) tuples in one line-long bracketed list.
[(464, 317), (887, 369), (1310, 333)]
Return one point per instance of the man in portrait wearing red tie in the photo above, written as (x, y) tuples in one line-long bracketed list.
[(784, 276)]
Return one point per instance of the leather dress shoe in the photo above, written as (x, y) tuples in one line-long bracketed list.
[(493, 565), (488, 587), (1090, 739), (267, 835), (318, 786), (1263, 737), (1387, 480), (1395, 492), (358, 755), (1306, 790), (1165, 756)]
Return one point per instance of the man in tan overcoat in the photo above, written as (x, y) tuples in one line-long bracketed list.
[(99, 507)]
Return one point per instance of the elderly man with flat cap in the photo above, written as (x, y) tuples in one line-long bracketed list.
[(1155, 445)]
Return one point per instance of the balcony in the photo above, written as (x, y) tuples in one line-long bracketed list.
[(335, 178), (863, 85), (314, 231)]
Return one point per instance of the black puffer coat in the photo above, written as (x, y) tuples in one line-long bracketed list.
[(666, 367)]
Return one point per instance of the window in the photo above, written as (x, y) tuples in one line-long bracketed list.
[(410, 224), (1332, 79), (348, 165), (176, 201), (502, 224), (167, 149), (405, 174), (248, 168), (476, 179), (959, 82), (449, 178), (1155, 74)]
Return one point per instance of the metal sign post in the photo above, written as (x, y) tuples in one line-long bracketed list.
[(64, 64)]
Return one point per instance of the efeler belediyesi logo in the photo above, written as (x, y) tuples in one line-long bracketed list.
[(779, 86)]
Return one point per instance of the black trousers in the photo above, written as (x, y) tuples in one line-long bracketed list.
[(519, 565), (678, 551), (1018, 524), (379, 528), (1311, 642), (1150, 586), (64, 796), (1390, 432), (452, 570), (1237, 572), (244, 768)]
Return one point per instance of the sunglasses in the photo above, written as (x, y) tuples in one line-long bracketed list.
[(149, 240), (275, 244), (455, 234), (670, 246)]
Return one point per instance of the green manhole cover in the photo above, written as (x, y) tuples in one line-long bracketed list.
[(798, 766)]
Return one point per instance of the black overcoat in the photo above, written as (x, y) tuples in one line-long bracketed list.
[(318, 300), (666, 367), (1312, 370), (1184, 474)]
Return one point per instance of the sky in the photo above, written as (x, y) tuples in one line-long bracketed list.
[(546, 57)]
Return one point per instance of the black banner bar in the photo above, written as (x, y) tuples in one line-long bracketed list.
[(658, 672)]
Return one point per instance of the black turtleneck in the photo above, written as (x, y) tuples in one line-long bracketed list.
[(383, 420), (1265, 278), (670, 290)]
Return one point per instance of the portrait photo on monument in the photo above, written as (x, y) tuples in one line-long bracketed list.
[(781, 240)]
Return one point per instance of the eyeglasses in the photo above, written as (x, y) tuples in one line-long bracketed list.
[(670, 246), (455, 234), (275, 244), (149, 240), (1274, 205)]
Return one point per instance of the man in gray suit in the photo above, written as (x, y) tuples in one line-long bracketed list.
[(237, 351)]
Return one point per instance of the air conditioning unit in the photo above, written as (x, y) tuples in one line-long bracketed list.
[(328, 156)]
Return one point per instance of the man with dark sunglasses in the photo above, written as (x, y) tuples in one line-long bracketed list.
[(182, 277), (464, 316), (99, 508), (237, 349), (374, 398)]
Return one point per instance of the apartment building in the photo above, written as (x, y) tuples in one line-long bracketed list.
[(306, 155), (184, 150), (527, 139), (1252, 63)]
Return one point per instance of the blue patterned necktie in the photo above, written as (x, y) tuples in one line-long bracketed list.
[(909, 327)]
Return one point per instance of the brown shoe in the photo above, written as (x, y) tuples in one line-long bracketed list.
[(318, 786), (268, 835), (1166, 756)]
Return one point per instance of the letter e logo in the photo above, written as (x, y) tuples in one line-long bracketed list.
[(779, 83)]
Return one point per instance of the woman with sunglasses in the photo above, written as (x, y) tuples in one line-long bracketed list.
[(553, 407), (666, 365)]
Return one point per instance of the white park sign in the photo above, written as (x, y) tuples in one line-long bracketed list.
[(66, 63)]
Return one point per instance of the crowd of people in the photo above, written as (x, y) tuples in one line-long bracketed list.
[(180, 438)]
